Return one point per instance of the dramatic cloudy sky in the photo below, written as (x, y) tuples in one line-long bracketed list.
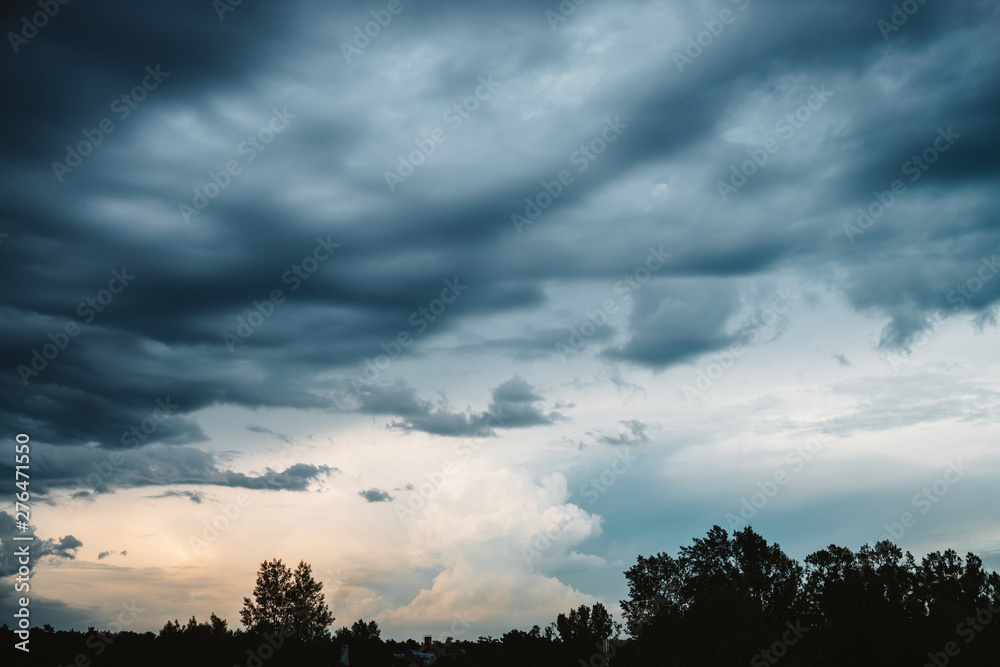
[(552, 289)]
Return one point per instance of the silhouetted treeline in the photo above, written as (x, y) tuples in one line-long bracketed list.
[(725, 600), (737, 600)]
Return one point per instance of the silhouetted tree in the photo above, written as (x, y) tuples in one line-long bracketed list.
[(863, 602), (586, 624), (723, 600), (365, 642), (738, 600), (718, 603), (286, 601)]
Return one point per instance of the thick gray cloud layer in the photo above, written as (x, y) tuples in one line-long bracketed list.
[(104, 250), (513, 406), (64, 548), (196, 222), (374, 495), (91, 470)]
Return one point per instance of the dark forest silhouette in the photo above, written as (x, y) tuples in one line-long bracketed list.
[(725, 600)]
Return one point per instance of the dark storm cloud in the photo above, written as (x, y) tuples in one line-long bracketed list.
[(160, 337), (89, 471), (374, 495), (63, 548), (533, 343), (677, 324), (634, 434), (43, 611), (514, 405), (88, 55), (515, 390), (51, 612)]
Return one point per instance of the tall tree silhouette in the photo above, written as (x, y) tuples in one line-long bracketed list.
[(718, 603), (287, 602), (365, 642), (724, 600), (855, 601), (583, 630)]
